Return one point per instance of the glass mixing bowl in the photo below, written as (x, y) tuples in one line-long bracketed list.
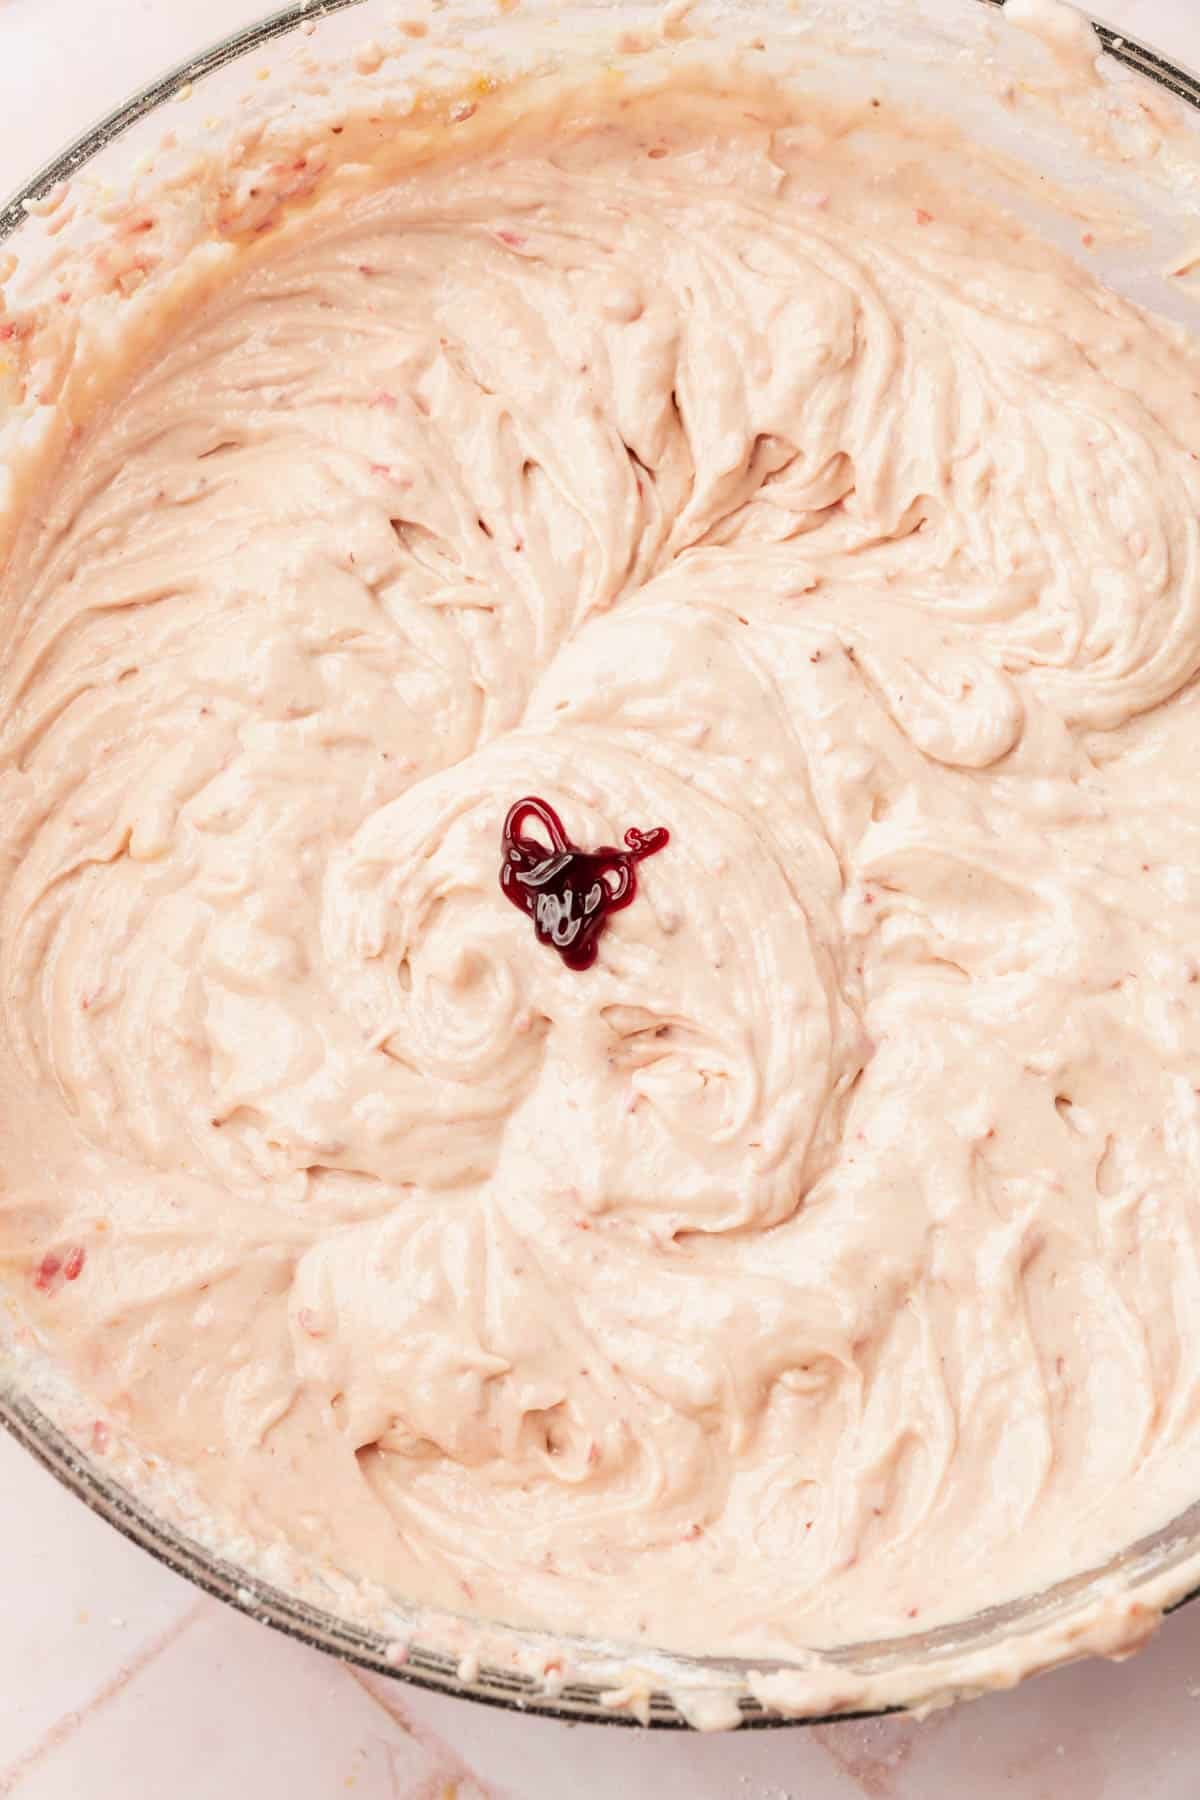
[(915, 40)]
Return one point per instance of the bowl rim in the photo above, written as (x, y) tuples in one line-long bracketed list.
[(578, 1701)]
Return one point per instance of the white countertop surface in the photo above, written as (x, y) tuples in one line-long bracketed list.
[(118, 1681)]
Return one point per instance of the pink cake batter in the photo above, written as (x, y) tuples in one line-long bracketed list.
[(821, 1263)]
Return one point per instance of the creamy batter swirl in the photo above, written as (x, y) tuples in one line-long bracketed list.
[(825, 1261)]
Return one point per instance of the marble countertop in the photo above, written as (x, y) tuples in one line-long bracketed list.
[(119, 1681)]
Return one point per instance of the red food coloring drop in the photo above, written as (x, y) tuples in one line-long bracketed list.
[(73, 1267), (566, 891)]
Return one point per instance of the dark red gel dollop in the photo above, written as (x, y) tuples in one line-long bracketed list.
[(569, 892)]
